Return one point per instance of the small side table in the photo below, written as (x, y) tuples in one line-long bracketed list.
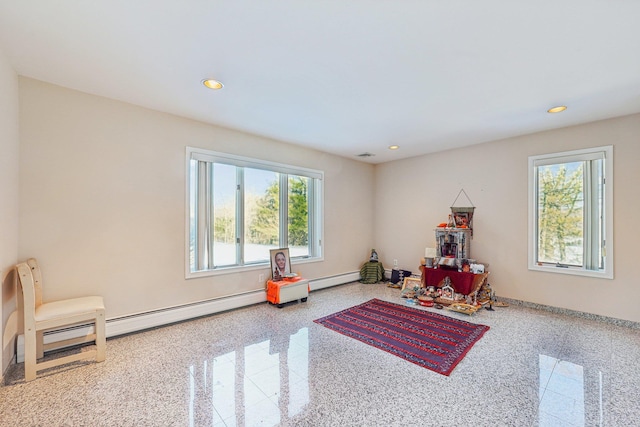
[(280, 292)]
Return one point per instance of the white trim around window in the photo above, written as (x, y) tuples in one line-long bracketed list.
[(592, 239), (237, 208)]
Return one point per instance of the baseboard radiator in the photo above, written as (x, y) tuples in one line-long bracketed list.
[(166, 316)]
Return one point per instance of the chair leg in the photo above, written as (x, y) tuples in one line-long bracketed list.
[(101, 338), (30, 359), (39, 344)]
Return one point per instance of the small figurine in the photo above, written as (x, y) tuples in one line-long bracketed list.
[(492, 296), (451, 223), (374, 256)]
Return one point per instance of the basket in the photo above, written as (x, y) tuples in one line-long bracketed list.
[(463, 308)]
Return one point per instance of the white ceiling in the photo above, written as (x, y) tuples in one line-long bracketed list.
[(343, 76)]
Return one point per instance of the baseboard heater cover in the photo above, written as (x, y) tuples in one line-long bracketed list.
[(141, 321)]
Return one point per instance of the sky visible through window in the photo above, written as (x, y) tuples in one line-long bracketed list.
[(225, 178)]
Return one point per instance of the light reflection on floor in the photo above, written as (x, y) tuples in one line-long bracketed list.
[(562, 392), (272, 378)]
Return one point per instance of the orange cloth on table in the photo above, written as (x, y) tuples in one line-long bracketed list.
[(273, 288)]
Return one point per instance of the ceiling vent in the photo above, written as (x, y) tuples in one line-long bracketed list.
[(366, 155)]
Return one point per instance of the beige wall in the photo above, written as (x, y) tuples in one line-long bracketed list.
[(8, 204), (102, 195), (494, 175)]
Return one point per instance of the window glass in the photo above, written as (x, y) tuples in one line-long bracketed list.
[(193, 229), (561, 213), (224, 214), (298, 205), (262, 213)]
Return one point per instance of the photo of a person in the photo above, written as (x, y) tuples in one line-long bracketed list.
[(462, 219), (280, 265)]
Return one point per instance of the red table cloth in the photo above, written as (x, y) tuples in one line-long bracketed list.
[(462, 283)]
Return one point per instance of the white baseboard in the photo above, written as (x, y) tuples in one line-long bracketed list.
[(340, 279), (141, 321)]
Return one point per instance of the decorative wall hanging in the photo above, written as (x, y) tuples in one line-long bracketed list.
[(463, 215)]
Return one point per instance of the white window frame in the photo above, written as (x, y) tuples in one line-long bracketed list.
[(316, 207), (604, 152)]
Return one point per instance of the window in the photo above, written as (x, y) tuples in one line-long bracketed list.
[(571, 212), (239, 208)]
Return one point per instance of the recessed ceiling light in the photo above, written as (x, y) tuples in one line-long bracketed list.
[(394, 147), (557, 109), (212, 84)]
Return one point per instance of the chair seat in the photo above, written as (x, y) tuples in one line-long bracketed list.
[(69, 307)]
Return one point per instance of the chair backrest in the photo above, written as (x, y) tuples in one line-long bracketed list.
[(28, 289), (37, 279)]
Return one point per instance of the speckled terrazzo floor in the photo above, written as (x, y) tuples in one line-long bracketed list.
[(266, 366)]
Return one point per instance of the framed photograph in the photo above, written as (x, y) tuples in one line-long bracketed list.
[(449, 250), (411, 282), (280, 263), (462, 218)]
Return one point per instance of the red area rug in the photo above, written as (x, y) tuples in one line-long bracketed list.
[(428, 339)]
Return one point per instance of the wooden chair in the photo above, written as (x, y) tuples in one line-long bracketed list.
[(40, 317)]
